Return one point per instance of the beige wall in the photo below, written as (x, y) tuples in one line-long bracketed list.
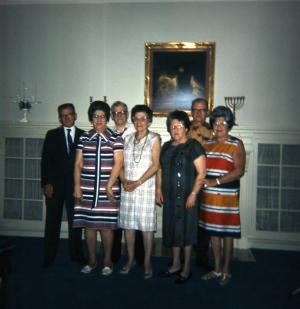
[(69, 52)]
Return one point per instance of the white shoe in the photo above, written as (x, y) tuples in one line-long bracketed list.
[(107, 271), (87, 269), (211, 275)]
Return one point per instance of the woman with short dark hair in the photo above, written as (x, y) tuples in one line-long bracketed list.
[(138, 209), (220, 213), (182, 163), (99, 159)]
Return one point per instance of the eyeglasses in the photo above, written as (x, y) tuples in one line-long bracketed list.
[(122, 113), (101, 117), (220, 124), (140, 119), (200, 110), (177, 126)]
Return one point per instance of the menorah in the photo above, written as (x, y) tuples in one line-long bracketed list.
[(104, 99), (234, 103)]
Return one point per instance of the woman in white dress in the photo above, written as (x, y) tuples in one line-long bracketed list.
[(138, 209)]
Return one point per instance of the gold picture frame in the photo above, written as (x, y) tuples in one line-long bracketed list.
[(176, 73)]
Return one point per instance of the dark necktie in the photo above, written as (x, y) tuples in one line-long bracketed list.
[(70, 141)]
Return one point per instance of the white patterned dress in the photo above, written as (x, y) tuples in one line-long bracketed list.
[(138, 209)]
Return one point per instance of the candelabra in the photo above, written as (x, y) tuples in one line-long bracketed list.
[(104, 99), (25, 102), (234, 103)]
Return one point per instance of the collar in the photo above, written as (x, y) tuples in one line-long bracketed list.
[(104, 135), (72, 129)]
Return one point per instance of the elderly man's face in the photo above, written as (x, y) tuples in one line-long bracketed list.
[(119, 116), (67, 117), (199, 113)]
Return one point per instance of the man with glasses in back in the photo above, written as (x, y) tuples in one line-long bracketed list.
[(119, 113), (201, 131), (57, 170)]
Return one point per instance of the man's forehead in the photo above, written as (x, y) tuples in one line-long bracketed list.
[(66, 111), (200, 103), (118, 108)]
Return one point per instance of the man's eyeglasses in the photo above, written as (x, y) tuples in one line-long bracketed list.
[(122, 113)]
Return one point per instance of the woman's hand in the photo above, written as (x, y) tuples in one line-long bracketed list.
[(110, 194), (191, 200), (159, 198), (77, 193), (206, 183), (131, 185)]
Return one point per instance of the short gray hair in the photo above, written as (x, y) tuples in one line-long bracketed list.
[(119, 103)]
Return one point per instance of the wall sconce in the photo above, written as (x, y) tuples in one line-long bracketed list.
[(234, 103), (25, 102)]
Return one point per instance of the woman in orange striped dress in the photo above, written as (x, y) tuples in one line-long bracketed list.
[(220, 213)]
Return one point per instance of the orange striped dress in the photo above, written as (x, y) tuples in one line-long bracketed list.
[(219, 211)]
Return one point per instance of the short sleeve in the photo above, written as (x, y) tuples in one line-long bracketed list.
[(196, 150), (118, 144), (154, 137), (79, 145)]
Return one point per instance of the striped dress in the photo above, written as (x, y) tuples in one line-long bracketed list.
[(219, 212), (95, 211)]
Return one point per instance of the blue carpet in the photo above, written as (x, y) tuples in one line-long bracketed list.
[(265, 283)]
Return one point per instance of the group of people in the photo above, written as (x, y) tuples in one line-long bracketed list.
[(112, 179)]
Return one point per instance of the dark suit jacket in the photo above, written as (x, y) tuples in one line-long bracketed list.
[(57, 167)]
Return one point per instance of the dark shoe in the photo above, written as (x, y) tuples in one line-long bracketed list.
[(166, 274), (181, 279)]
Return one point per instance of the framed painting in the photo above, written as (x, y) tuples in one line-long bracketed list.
[(176, 73)]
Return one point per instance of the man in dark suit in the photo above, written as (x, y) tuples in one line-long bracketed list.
[(57, 167)]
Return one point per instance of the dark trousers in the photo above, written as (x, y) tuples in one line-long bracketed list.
[(139, 246), (202, 247), (54, 211)]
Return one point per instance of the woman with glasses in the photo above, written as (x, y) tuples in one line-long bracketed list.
[(182, 163), (138, 210), (220, 213), (99, 159)]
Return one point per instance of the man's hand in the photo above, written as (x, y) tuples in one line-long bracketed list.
[(48, 190)]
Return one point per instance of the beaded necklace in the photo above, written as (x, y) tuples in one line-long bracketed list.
[(136, 142)]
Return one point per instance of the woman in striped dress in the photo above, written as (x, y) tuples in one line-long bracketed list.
[(99, 159), (220, 213)]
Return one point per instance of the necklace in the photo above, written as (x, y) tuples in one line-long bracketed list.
[(135, 143)]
